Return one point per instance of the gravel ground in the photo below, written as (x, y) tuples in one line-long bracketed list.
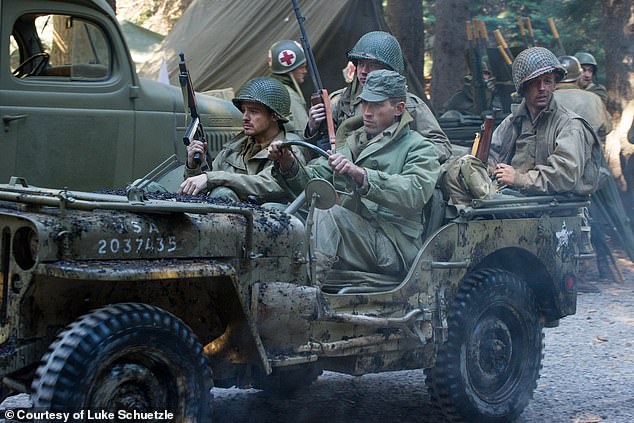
[(587, 376)]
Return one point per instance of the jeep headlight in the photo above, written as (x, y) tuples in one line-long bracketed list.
[(25, 247)]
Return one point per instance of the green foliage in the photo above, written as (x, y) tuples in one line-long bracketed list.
[(578, 22)]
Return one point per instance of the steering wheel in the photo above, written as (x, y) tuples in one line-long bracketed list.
[(324, 188), (309, 146), (20, 71)]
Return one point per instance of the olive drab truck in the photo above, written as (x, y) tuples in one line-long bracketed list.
[(74, 111), (115, 302)]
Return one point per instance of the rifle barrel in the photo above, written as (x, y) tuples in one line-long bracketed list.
[(310, 58)]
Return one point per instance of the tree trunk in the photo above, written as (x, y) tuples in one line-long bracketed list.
[(449, 48), (618, 40), (405, 18)]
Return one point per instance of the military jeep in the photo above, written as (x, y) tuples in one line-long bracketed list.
[(120, 302)]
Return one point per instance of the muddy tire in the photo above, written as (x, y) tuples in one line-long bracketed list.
[(132, 357), (489, 366)]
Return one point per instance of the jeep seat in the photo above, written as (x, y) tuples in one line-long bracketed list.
[(434, 213), (350, 281)]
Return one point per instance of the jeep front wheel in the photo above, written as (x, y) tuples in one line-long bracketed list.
[(489, 366), (126, 358)]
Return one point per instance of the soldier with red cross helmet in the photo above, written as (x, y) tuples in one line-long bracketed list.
[(287, 64)]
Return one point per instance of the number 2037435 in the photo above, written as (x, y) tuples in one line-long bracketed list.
[(133, 246)]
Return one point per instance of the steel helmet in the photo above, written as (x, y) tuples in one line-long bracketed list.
[(534, 62), (286, 56), (268, 92), (572, 66), (380, 46), (586, 59)]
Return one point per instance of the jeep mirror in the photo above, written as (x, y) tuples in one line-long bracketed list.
[(322, 192)]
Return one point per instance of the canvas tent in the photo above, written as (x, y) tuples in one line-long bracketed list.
[(226, 41)]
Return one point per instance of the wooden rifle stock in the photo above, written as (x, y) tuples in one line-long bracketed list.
[(484, 143), (520, 22), (502, 45), (323, 97), (529, 28), (553, 29)]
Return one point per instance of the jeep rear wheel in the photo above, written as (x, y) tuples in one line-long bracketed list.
[(489, 366), (132, 357)]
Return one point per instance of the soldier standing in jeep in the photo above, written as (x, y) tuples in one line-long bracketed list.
[(242, 168), (394, 169)]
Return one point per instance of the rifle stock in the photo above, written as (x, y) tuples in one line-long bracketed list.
[(529, 28), (553, 29), (321, 94), (195, 129), (520, 22), (484, 143)]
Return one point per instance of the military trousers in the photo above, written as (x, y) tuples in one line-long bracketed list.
[(346, 241)]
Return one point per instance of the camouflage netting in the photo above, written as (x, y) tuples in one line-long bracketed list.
[(534, 62)]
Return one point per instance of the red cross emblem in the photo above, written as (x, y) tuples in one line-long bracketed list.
[(286, 57)]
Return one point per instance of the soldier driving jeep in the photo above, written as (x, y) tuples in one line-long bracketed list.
[(393, 171)]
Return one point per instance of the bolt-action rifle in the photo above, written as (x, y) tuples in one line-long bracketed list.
[(321, 94), (195, 129), (476, 67)]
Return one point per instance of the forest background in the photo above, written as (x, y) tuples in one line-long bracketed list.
[(434, 39)]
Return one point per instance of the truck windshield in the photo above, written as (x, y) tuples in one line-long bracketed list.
[(59, 46)]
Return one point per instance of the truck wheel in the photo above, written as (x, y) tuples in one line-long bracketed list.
[(489, 366), (132, 357)]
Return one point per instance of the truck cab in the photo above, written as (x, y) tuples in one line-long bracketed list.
[(74, 111)]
